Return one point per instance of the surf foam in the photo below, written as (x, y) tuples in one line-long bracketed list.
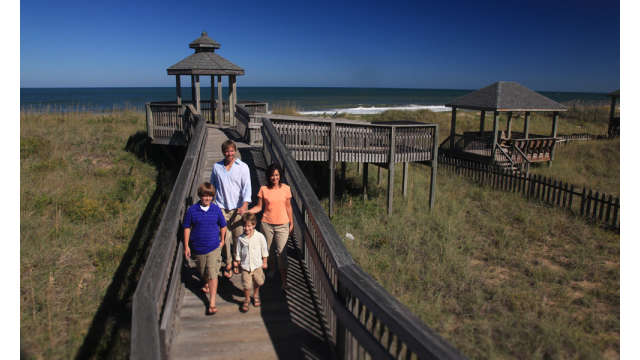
[(361, 110)]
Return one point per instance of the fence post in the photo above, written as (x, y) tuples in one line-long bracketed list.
[(149, 120), (392, 154), (332, 168)]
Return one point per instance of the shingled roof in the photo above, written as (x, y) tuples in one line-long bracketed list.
[(205, 61), (506, 96)]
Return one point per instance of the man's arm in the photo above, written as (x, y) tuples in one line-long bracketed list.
[(245, 182)]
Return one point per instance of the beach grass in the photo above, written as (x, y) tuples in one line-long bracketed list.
[(494, 274), (85, 186), (285, 108)]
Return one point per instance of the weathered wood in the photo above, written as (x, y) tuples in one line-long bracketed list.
[(482, 117), (149, 120), (434, 170), (391, 166), (365, 180), (509, 118), (332, 168), (178, 91), (494, 140), (197, 93), (526, 124), (405, 178), (554, 134), (452, 135), (219, 105)]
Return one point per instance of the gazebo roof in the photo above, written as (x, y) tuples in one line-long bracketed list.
[(506, 96), (205, 61)]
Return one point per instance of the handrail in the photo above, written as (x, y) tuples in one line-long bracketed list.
[(156, 294), (360, 314), (505, 154), (524, 156)]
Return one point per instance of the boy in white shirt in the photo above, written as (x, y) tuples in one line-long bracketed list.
[(252, 253)]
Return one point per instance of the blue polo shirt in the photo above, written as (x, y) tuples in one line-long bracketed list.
[(205, 228)]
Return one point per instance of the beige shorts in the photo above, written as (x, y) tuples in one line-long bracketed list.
[(208, 264), (249, 278)]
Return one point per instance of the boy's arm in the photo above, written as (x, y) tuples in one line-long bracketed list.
[(264, 250), (187, 251), (223, 233)]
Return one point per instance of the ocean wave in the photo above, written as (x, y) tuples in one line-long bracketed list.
[(361, 110)]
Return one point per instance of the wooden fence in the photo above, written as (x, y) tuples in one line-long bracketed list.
[(593, 205), (362, 320)]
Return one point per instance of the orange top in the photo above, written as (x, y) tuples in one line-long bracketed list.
[(273, 204)]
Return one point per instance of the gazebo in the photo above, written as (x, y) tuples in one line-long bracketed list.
[(206, 62), (614, 121), (505, 147)]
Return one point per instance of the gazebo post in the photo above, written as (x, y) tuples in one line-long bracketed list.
[(405, 178), (213, 99), (232, 94), (197, 92), (509, 116), (526, 124), (452, 137), (193, 90), (482, 115), (220, 105), (554, 133), (178, 91), (365, 180), (494, 141)]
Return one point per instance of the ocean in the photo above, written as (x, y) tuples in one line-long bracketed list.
[(308, 100)]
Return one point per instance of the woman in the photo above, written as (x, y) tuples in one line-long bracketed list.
[(277, 219)]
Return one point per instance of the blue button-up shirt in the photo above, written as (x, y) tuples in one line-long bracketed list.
[(233, 187)]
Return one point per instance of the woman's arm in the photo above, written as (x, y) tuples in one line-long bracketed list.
[(256, 209), (287, 205)]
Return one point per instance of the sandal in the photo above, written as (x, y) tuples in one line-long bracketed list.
[(256, 302), (235, 270), (212, 310), (245, 306)]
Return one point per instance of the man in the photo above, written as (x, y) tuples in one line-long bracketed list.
[(233, 194)]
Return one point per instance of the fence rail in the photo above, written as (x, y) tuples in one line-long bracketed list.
[(593, 205), (158, 292), (362, 320)]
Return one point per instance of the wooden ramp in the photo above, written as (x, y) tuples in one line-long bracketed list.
[(288, 325)]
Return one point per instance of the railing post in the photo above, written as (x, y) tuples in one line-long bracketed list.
[(332, 168), (149, 120), (434, 169), (341, 332), (392, 155)]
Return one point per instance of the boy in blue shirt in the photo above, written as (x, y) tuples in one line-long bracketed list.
[(204, 232)]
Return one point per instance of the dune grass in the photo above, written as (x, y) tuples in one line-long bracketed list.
[(594, 164), (81, 197), (495, 275)]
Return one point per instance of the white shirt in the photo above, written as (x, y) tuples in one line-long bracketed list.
[(233, 186), (251, 250)]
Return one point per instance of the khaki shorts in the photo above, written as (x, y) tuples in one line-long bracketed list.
[(249, 278), (277, 236), (208, 264)]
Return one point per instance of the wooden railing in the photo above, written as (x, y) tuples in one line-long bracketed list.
[(159, 289), (362, 319), (539, 149)]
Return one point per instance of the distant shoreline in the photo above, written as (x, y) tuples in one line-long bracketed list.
[(307, 100)]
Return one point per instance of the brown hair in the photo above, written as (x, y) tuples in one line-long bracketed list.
[(249, 217), (228, 143), (206, 189)]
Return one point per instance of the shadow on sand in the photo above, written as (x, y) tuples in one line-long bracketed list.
[(109, 334)]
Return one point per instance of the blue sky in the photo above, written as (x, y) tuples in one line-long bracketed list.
[(545, 45)]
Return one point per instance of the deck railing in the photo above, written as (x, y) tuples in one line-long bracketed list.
[(362, 319), (159, 289), (165, 119)]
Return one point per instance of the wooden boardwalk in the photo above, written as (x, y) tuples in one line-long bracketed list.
[(288, 325)]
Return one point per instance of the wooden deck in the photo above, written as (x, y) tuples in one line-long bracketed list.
[(288, 325)]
